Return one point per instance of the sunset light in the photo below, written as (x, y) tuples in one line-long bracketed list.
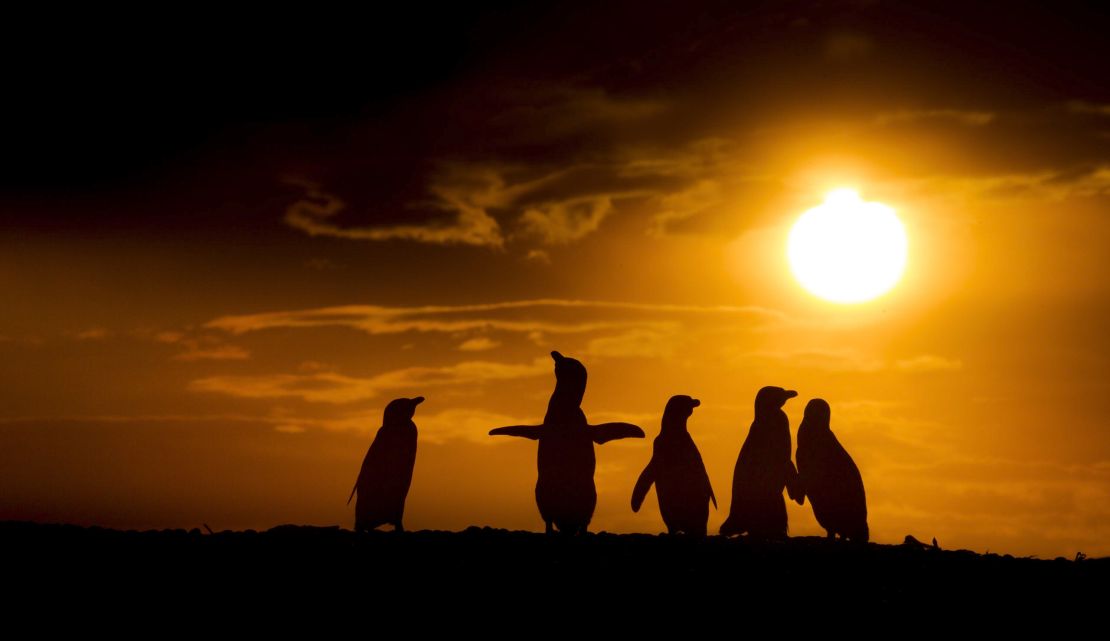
[(847, 250), (820, 282)]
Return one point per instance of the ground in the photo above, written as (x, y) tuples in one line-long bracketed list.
[(601, 577)]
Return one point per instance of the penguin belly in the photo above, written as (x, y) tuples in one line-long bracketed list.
[(839, 510), (379, 506), (683, 500), (758, 507), (760, 514), (381, 500), (682, 510), (833, 485), (565, 491)]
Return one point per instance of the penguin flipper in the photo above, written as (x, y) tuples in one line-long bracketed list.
[(708, 483), (643, 484), (523, 431), (367, 462), (606, 432), (797, 491), (794, 487)]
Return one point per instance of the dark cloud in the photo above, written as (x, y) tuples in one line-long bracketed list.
[(526, 127)]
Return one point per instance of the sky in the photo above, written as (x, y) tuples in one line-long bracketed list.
[(226, 242)]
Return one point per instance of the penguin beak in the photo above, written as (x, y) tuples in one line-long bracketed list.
[(418, 400), (790, 393), (557, 356), (694, 402)]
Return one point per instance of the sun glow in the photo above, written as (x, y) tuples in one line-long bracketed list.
[(847, 250)]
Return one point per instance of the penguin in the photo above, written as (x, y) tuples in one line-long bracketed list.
[(763, 469), (829, 477), (565, 491), (676, 469), (383, 482)]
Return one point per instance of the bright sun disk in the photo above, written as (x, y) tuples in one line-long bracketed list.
[(847, 250)]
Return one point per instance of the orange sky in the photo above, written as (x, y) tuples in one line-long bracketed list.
[(212, 337)]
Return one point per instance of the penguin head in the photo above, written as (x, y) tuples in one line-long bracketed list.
[(678, 409), (818, 412), (772, 398), (570, 373), (400, 410)]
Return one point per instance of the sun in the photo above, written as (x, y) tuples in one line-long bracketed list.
[(847, 250)]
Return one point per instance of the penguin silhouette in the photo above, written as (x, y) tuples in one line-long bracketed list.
[(676, 469), (565, 491), (763, 469), (383, 482), (829, 477)]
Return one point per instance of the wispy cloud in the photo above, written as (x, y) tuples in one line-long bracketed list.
[(555, 111), (538, 256), (701, 196), (197, 347), (89, 334), (851, 360), (197, 352), (465, 423), (332, 387), (928, 363), (959, 116), (1052, 185), (494, 203), (458, 423), (478, 344), (640, 343), (374, 319), (471, 225), (433, 426), (830, 360), (559, 223), (1047, 185), (1082, 107)]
